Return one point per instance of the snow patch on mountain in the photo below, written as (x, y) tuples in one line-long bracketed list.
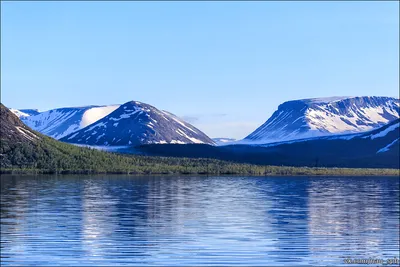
[(386, 148), (19, 113), (27, 134), (96, 113), (384, 132)]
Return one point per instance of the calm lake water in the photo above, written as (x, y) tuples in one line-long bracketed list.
[(119, 220)]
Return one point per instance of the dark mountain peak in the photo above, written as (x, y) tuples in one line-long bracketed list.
[(136, 123)]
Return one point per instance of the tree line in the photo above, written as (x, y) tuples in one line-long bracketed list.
[(51, 156)]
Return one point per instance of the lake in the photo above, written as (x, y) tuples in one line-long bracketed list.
[(127, 220)]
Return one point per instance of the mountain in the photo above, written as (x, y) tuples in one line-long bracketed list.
[(135, 123), (60, 122), (223, 141), (325, 116), (378, 148)]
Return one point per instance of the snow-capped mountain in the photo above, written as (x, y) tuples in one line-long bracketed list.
[(325, 116), (59, 122), (136, 123)]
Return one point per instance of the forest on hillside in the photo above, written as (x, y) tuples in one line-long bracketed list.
[(51, 156)]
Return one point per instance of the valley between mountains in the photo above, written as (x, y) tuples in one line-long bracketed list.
[(351, 132)]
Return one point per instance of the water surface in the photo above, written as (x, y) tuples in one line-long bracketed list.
[(120, 220)]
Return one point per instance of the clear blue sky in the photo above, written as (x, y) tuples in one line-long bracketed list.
[(224, 66)]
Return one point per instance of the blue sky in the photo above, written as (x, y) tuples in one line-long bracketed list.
[(224, 66)]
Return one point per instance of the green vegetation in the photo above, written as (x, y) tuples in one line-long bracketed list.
[(50, 156)]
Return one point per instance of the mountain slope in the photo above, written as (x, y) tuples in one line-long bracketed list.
[(136, 123), (59, 122), (325, 116), (12, 130), (378, 148)]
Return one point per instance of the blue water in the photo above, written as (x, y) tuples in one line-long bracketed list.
[(119, 220)]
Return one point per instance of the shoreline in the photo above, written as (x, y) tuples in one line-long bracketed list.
[(280, 171)]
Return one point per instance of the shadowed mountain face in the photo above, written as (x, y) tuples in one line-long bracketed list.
[(325, 116), (378, 148), (136, 123)]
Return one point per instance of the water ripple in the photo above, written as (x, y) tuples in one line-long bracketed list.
[(181, 221)]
